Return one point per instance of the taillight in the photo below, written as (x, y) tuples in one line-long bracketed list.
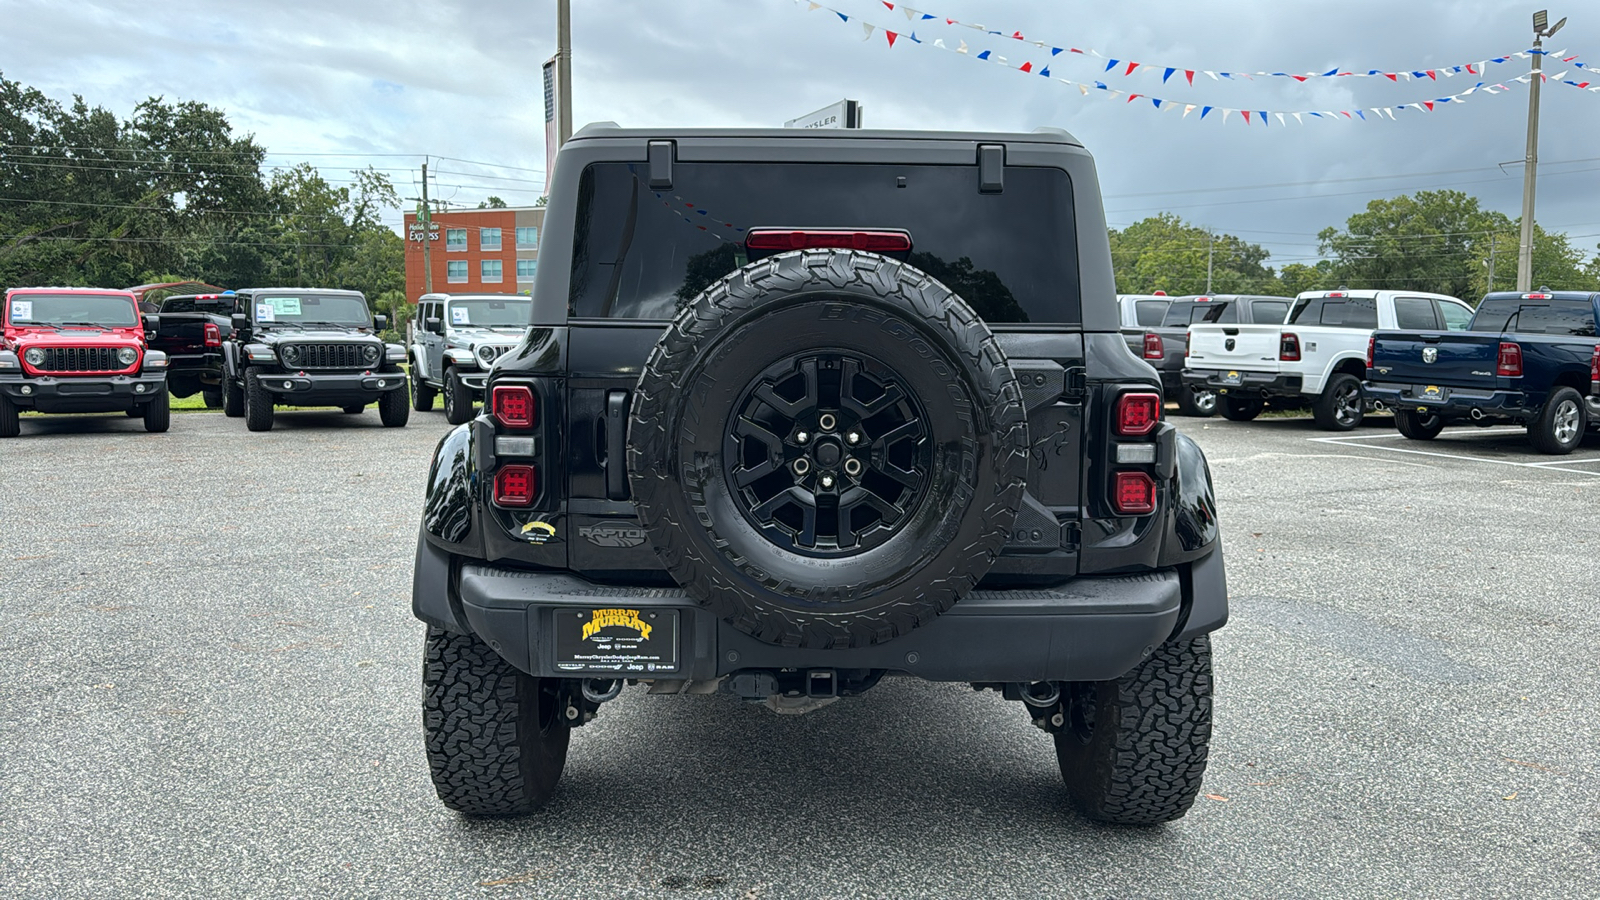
[(1509, 365), (515, 486), (513, 406), (1372, 346), (1188, 341), (1289, 348), (1594, 365), (1152, 346), (841, 239), (213, 335), (1133, 493), (1537, 296), (1137, 414)]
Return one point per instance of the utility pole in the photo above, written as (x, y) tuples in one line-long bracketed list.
[(1493, 240), (1530, 162), (564, 69), (427, 233), (1209, 254)]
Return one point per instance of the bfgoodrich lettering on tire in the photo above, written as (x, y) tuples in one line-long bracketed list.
[(827, 448)]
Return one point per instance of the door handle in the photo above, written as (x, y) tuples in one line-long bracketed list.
[(616, 445)]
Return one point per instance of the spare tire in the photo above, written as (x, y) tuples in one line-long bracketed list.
[(827, 448)]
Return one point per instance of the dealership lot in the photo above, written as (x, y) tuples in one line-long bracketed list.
[(211, 688)]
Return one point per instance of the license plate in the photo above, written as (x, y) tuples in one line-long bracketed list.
[(1432, 393), (1232, 378), (616, 639)]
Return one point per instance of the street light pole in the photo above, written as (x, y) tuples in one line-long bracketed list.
[(1530, 163), (564, 70)]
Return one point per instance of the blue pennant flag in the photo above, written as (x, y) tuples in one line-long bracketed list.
[(841, 16), (1112, 64), (984, 55), (1167, 74), (1204, 110)]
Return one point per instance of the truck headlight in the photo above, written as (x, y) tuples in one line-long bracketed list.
[(291, 355), (371, 352), (486, 355), (127, 356), (34, 356)]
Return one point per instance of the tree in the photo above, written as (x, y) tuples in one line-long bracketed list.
[(1424, 242), (1297, 278), (1165, 253), (492, 203), (1556, 263)]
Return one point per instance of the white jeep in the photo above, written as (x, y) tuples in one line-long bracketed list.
[(454, 341)]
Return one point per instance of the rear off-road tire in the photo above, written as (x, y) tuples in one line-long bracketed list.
[(1561, 423), (495, 736), (394, 407), (422, 393), (158, 413), (1134, 750), (1418, 426), (10, 421), (232, 399), (257, 404), (457, 399), (1240, 409)]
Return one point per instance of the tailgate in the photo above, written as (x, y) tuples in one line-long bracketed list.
[(1251, 348), (1462, 359)]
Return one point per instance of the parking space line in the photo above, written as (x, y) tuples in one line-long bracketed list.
[(1562, 465)]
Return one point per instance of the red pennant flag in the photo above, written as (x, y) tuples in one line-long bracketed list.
[(1392, 77), (1025, 67), (1133, 97), (1432, 76), (1131, 67), (949, 21), (1189, 74), (1246, 116), (892, 36), (1074, 50), (1428, 104), (1471, 70), (1300, 78), (888, 4), (1017, 35)]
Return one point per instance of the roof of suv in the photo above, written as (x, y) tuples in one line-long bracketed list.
[(1044, 135), (119, 292), (307, 289)]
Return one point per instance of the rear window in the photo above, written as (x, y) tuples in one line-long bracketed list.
[(1268, 312), (1341, 312), (1573, 317), (644, 254), (195, 304), (1148, 313), (1414, 314), (1188, 312)]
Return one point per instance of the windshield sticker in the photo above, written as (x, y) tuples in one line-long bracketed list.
[(285, 306), (21, 310), (458, 315), (265, 313)]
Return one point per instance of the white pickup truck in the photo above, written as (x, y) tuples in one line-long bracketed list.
[(1318, 355)]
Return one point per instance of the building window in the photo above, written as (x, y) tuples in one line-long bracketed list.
[(527, 237), (456, 271), (490, 269), (526, 268), (488, 239), (455, 239)]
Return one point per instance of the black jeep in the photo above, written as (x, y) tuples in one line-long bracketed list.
[(310, 347), (797, 411)]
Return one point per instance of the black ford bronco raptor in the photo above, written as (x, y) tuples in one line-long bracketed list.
[(797, 411)]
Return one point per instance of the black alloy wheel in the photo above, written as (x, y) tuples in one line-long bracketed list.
[(827, 454)]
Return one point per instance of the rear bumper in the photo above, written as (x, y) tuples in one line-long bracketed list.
[(1090, 629), (1459, 403), (294, 389), (1250, 384), (93, 393)]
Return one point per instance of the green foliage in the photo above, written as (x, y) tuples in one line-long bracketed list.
[(1556, 263), (88, 200), (1165, 253), (492, 203), (1297, 278), (1424, 242)]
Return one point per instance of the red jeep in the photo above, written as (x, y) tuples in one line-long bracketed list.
[(79, 350)]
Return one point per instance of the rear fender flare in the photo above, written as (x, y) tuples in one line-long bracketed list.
[(1192, 530)]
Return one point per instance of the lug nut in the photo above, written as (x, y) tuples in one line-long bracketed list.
[(827, 481), (803, 436), (827, 421), (853, 437)]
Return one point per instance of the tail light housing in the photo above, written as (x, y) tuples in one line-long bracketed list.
[(1137, 414), (1594, 367), (1152, 346), (1509, 363), (840, 239), (513, 406), (1289, 347), (1133, 493), (1372, 347), (213, 335), (516, 486)]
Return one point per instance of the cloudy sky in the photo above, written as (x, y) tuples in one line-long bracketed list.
[(345, 83)]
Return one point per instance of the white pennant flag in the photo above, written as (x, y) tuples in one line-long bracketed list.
[(1213, 76), (813, 7), (1083, 89), (867, 27), (1189, 108), (939, 42), (911, 14), (1297, 118), (1225, 114), (1280, 119), (962, 48)]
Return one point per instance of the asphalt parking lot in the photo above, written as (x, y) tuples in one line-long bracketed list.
[(209, 687)]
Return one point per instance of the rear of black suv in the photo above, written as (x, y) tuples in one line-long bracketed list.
[(799, 411)]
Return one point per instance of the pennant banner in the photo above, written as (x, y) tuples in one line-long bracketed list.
[(1124, 66), (1222, 113)]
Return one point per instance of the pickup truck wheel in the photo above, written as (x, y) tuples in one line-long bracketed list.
[(422, 393), (827, 449), (394, 408), (1198, 403), (495, 737), (1240, 409), (1560, 426), (232, 400), (1134, 750), (1418, 426), (158, 413), (457, 399), (257, 404), (10, 422), (212, 397), (1340, 407)]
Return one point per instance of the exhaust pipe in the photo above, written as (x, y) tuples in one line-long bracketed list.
[(1476, 414), (599, 690), (1377, 406), (1041, 694)]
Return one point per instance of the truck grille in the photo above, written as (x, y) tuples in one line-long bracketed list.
[(327, 356), (80, 359)]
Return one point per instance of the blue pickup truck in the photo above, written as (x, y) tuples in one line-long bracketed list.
[(1529, 359)]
